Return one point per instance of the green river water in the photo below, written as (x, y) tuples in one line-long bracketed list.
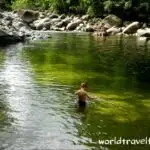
[(37, 101)]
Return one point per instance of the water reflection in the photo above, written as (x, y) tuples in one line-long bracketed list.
[(116, 70), (37, 85)]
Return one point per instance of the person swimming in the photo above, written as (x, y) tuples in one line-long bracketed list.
[(82, 94)]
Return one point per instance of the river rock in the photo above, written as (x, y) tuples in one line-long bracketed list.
[(59, 24), (47, 25), (55, 20), (80, 27), (112, 20), (6, 22), (17, 23), (73, 25), (62, 16), (143, 32), (1, 15), (28, 16), (41, 15), (141, 41), (89, 28), (53, 16), (132, 28), (66, 21), (113, 30), (85, 17), (39, 24)]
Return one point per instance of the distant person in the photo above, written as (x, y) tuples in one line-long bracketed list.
[(83, 96), (101, 30)]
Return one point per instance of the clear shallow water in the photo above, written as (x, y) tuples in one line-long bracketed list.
[(37, 84)]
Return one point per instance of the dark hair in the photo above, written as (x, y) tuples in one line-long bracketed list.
[(84, 85)]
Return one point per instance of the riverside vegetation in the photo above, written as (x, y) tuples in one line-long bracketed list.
[(119, 18)]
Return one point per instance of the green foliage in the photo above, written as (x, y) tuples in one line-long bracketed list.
[(92, 7), (128, 5), (108, 5), (5, 4)]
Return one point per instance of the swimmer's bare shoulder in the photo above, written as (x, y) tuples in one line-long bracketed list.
[(82, 92)]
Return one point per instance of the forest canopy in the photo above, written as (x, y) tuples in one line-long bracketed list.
[(126, 9)]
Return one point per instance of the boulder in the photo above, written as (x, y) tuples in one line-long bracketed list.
[(55, 20), (28, 16), (73, 25), (113, 30), (6, 22), (53, 16), (132, 28), (142, 41), (112, 20), (80, 27), (57, 29), (62, 16), (143, 32), (47, 25), (41, 15), (1, 15), (85, 17), (89, 28), (17, 24), (39, 24), (66, 21)]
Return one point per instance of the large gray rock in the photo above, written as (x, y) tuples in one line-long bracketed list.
[(62, 23), (1, 15), (66, 21), (80, 27), (73, 25), (53, 16), (59, 24), (63, 16), (17, 23), (55, 20), (85, 17), (112, 20), (41, 15), (132, 28), (89, 28), (28, 15), (114, 30), (6, 22), (143, 32), (39, 24)]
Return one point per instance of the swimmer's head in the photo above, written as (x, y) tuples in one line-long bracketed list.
[(84, 85)]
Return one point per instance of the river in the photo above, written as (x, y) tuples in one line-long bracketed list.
[(37, 101)]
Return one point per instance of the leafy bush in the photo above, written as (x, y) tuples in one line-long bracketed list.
[(5, 4), (93, 7)]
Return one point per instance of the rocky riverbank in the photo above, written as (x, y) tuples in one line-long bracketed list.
[(28, 24)]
